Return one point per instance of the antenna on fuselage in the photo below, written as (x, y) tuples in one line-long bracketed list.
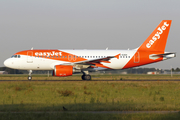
[(32, 48), (107, 48)]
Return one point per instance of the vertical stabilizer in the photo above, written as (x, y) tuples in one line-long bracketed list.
[(158, 38)]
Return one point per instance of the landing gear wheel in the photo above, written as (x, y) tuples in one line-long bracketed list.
[(29, 78), (86, 77), (83, 78)]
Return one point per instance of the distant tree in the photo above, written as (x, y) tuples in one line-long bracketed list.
[(177, 69)]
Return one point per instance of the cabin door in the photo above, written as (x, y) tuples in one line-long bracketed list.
[(30, 57), (137, 57)]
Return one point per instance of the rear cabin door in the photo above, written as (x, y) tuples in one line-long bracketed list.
[(137, 57)]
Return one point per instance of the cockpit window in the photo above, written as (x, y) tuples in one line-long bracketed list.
[(15, 56)]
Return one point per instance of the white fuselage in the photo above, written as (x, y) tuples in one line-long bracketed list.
[(25, 62)]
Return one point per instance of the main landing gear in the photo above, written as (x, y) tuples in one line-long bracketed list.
[(30, 77), (86, 76)]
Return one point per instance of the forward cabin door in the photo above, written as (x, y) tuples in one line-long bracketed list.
[(137, 57), (30, 57)]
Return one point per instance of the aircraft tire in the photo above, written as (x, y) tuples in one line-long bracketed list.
[(86, 77), (29, 78), (83, 78)]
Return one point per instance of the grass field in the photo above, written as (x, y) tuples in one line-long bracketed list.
[(91, 96), (87, 116)]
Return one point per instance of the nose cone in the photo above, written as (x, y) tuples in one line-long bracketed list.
[(7, 63)]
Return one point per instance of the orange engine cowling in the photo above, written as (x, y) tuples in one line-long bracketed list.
[(63, 70)]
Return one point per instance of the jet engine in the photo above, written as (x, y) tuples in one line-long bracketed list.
[(63, 70)]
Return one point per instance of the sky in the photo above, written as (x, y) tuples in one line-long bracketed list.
[(86, 24)]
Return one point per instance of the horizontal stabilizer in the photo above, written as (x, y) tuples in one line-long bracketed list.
[(164, 56)]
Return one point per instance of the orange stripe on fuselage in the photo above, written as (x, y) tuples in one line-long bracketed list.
[(52, 55)]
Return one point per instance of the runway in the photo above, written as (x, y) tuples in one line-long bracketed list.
[(87, 80)]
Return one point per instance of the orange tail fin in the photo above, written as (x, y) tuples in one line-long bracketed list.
[(157, 40)]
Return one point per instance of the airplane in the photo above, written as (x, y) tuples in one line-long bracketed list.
[(68, 62)]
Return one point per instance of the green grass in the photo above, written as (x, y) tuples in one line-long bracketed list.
[(28, 97), (88, 116), (90, 96)]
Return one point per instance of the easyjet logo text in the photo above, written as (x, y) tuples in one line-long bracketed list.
[(157, 35), (53, 53)]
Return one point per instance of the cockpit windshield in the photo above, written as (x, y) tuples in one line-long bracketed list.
[(15, 56)]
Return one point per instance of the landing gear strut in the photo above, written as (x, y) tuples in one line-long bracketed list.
[(86, 75), (30, 77)]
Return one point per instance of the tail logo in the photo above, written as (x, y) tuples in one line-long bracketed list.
[(157, 35)]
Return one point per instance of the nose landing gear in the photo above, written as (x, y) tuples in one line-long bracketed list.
[(30, 77)]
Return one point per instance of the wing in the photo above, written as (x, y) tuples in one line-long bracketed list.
[(97, 61)]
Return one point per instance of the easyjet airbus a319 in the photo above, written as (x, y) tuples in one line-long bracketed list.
[(66, 62)]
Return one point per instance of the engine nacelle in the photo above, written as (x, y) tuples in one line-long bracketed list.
[(63, 70)]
